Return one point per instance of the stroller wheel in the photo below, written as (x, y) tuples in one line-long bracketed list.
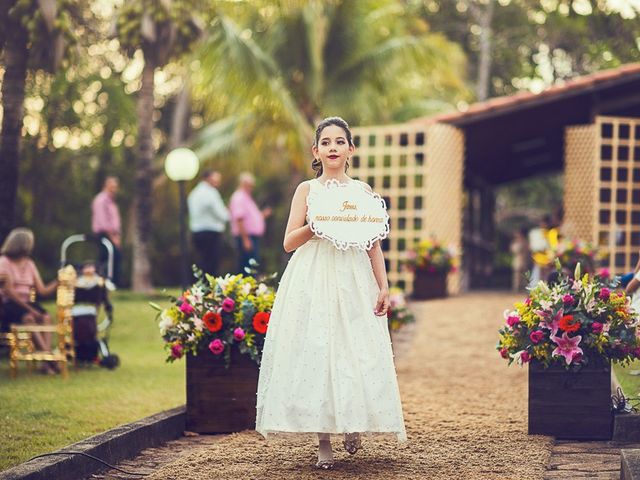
[(110, 362)]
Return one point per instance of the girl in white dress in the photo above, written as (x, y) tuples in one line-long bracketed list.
[(327, 364)]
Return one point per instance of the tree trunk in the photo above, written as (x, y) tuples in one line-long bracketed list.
[(15, 61), (141, 272), (484, 61)]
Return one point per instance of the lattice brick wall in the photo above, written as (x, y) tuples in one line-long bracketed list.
[(444, 189), (392, 159), (617, 216), (580, 182)]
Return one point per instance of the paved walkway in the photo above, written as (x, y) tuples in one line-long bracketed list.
[(465, 413)]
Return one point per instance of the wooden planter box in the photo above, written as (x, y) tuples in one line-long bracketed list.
[(428, 285), (221, 400), (571, 404)]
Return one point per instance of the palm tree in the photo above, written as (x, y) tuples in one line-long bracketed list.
[(45, 28), (161, 30), (270, 78)]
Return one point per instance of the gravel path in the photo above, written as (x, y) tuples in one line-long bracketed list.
[(465, 413)]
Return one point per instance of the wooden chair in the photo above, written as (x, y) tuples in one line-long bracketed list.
[(21, 343)]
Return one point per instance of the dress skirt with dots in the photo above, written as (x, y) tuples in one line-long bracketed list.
[(327, 364)]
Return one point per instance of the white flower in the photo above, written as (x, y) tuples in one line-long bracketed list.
[(165, 323), (184, 326), (197, 293), (191, 337), (246, 288), (198, 324), (223, 281), (546, 304), (262, 289)]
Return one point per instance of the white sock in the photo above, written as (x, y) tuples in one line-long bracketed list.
[(325, 451)]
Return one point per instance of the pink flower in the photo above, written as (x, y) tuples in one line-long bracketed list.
[(536, 336), (596, 327), (549, 322), (216, 346), (525, 357), (527, 301), (176, 350), (228, 304), (186, 308), (604, 273), (568, 300), (504, 353), (238, 334), (567, 347), (512, 320), (605, 293)]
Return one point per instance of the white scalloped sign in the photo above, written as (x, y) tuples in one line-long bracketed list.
[(347, 214)]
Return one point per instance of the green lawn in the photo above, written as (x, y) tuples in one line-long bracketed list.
[(41, 413), (630, 383)]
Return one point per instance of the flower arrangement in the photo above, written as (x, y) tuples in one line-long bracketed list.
[(569, 253), (430, 256), (569, 322), (398, 313), (216, 313)]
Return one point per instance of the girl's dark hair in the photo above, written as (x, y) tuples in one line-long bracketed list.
[(316, 164)]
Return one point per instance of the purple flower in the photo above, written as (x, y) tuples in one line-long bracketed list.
[(238, 334), (536, 336), (228, 304), (568, 300), (176, 350), (605, 293), (216, 346), (596, 327)]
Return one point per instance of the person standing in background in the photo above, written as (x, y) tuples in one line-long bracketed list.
[(247, 221), (520, 262), (538, 243), (208, 217), (106, 223)]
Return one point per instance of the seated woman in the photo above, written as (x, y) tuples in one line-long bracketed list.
[(21, 278)]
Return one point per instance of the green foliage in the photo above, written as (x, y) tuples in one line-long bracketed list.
[(51, 26), (165, 29), (541, 41), (287, 70)]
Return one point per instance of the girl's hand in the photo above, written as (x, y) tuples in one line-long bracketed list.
[(382, 304)]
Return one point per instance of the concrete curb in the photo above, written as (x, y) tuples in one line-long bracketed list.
[(630, 464), (113, 446), (626, 428)]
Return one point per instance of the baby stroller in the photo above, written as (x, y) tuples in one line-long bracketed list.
[(91, 339)]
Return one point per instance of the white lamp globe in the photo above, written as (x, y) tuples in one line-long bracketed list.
[(181, 164)]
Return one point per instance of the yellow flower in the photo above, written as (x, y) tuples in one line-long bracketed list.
[(541, 352)]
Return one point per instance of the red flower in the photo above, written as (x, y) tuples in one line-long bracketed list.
[(568, 325), (261, 322), (213, 321)]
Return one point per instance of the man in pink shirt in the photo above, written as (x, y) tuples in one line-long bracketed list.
[(105, 222), (247, 221)]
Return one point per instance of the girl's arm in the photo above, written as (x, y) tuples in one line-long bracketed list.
[(633, 285), (380, 272), (297, 233)]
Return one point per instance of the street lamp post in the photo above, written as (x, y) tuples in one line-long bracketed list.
[(181, 165)]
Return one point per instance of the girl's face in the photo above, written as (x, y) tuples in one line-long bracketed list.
[(333, 148)]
